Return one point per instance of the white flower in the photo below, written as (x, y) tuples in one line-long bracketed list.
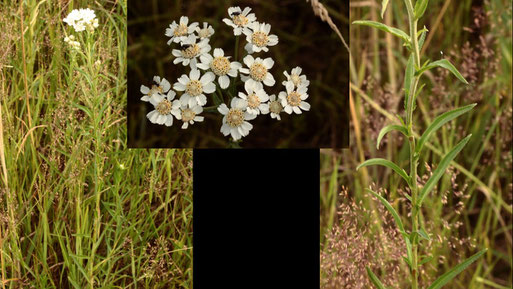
[(258, 38), (256, 99), (239, 20), (188, 114), (258, 71), (191, 51), (275, 107), (235, 119), (159, 86), (164, 108), (205, 32), (295, 77), (81, 19), (221, 66), (72, 42), (293, 100), (194, 87), (180, 31)]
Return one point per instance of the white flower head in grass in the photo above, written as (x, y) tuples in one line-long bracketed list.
[(240, 20), (258, 71), (159, 86), (189, 114), (164, 108), (294, 100), (195, 87), (205, 32), (221, 66), (82, 19), (258, 38), (296, 78), (256, 99), (275, 107), (72, 42), (180, 31), (190, 51), (235, 120)]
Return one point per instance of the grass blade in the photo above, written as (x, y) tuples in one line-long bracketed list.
[(374, 279), (395, 31), (441, 120), (396, 217), (440, 169), (388, 129), (386, 163), (442, 280), (384, 5), (408, 78), (444, 63)]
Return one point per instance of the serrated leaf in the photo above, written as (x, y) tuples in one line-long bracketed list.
[(420, 8), (386, 163), (374, 279), (384, 5), (425, 260), (397, 220), (388, 129), (409, 75), (449, 275), (444, 63), (395, 31), (441, 120), (440, 169)]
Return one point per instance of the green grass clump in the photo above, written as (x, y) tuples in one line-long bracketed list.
[(77, 209)]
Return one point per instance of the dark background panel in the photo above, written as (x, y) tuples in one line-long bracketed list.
[(304, 40), (256, 219)]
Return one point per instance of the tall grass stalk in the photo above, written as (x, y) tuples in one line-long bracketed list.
[(413, 72)]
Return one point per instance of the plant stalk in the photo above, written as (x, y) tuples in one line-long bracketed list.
[(411, 140)]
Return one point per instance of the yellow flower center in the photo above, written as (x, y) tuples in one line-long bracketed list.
[(181, 30), (203, 33), (259, 39), (294, 98), (188, 115), (240, 20), (194, 88), (257, 71), (253, 100), (191, 51), (235, 117), (220, 65), (164, 107), (275, 107)]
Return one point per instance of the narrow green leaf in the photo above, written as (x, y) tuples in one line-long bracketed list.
[(440, 169), (420, 8), (424, 234), (441, 120), (414, 237), (407, 262), (444, 63), (449, 275), (425, 260), (374, 279), (384, 5), (386, 163), (422, 37), (395, 31), (397, 220), (388, 129), (409, 75)]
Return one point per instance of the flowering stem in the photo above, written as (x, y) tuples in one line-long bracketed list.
[(236, 48)]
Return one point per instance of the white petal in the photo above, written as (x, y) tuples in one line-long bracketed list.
[(288, 109), (289, 86), (224, 81), (179, 87), (296, 109), (218, 52), (248, 60), (207, 78), (195, 74), (269, 80), (223, 109), (145, 89), (268, 62), (304, 106), (209, 88)]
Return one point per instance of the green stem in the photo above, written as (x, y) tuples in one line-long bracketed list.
[(411, 140)]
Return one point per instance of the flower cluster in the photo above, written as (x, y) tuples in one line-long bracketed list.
[(82, 19), (212, 72)]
